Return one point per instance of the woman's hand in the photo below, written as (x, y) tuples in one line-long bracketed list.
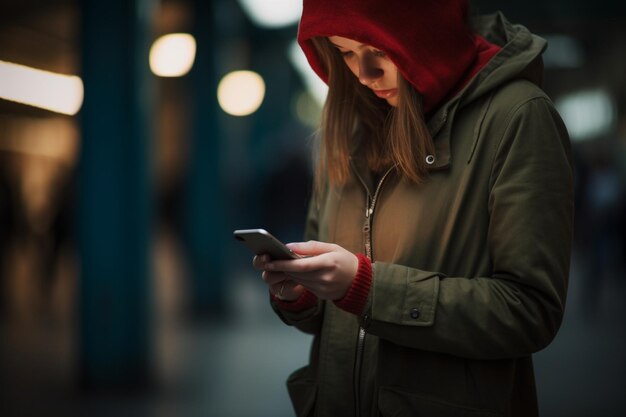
[(281, 285), (327, 270)]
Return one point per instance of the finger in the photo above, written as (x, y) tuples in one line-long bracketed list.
[(302, 265), (287, 290), (312, 247), (259, 261), (271, 278), (283, 287)]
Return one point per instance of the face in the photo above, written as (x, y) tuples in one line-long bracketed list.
[(371, 66)]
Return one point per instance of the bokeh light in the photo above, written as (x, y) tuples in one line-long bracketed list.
[(241, 93), (587, 114), (315, 86), (272, 13), (308, 110), (47, 90), (173, 55)]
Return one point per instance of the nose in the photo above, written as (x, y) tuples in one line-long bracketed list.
[(369, 70)]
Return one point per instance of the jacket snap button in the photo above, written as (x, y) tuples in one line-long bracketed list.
[(415, 313), (430, 159)]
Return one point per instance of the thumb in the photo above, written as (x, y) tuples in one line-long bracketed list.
[(311, 248)]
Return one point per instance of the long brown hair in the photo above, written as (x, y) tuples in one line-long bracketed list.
[(393, 135)]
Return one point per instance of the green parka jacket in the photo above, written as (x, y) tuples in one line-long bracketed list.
[(470, 268)]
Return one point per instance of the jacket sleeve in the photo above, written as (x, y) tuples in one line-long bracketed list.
[(309, 320), (518, 309)]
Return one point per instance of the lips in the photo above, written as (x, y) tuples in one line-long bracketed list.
[(392, 92)]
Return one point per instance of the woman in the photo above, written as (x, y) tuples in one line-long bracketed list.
[(439, 235)]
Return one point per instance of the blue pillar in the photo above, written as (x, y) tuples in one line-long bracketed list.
[(115, 194), (204, 221)]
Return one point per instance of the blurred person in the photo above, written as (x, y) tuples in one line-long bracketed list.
[(439, 233), (36, 215)]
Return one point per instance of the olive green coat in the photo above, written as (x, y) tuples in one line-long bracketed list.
[(470, 268)]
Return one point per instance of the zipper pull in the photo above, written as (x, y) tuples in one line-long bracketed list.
[(367, 238)]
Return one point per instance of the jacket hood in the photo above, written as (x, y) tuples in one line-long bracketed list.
[(430, 41), (519, 56)]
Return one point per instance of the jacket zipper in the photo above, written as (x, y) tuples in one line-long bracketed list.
[(370, 204)]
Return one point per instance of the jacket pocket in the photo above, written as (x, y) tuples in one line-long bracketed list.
[(302, 391), (393, 402)]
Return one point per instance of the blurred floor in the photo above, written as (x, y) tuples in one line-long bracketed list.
[(229, 366), (237, 366), (583, 371)]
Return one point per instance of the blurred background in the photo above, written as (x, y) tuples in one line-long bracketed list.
[(135, 135)]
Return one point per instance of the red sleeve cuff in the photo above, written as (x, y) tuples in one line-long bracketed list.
[(356, 298), (306, 300)]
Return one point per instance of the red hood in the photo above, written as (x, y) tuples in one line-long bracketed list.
[(428, 40)]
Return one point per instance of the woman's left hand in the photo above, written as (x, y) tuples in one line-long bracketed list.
[(327, 270)]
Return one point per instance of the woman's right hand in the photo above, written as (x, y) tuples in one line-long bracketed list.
[(280, 284)]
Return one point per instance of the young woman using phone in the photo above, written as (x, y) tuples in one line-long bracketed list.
[(439, 233)]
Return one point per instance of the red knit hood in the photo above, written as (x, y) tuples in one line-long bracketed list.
[(428, 40)]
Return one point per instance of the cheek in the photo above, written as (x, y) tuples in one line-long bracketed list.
[(391, 74)]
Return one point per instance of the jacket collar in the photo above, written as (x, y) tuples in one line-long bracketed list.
[(440, 128)]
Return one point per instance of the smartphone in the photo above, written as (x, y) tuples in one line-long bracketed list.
[(261, 242)]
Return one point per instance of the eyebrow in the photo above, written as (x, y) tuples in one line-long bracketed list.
[(361, 46)]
